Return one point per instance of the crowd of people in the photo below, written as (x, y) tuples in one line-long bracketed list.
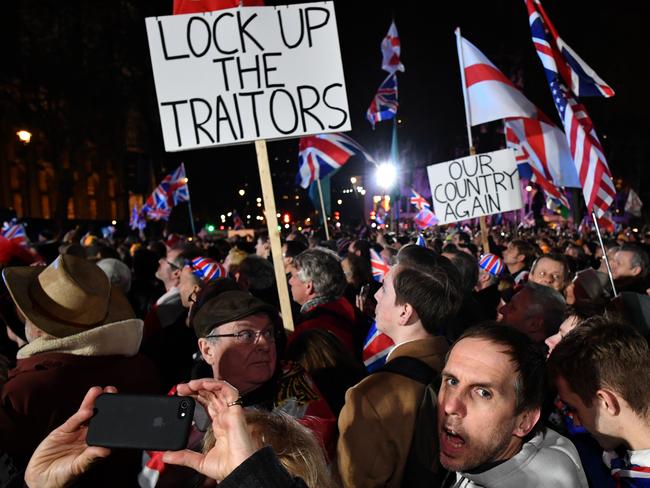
[(523, 365)]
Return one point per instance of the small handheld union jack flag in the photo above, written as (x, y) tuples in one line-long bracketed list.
[(418, 200), (15, 232), (171, 191), (425, 218), (379, 267), (420, 241), (376, 348)]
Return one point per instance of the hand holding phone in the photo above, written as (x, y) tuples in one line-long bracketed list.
[(151, 422), (64, 455)]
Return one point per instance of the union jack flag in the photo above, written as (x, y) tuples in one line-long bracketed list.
[(378, 265), (418, 200), (425, 218), (384, 105), (206, 269), (171, 191), (420, 241), (587, 153), (323, 154), (531, 149), (237, 222), (380, 216), (390, 51), (137, 222), (376, 348), (14, 231)]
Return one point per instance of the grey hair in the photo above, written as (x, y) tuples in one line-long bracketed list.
[(550, 304), (323, 268)]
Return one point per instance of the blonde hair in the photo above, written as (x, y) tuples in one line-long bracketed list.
[(297, 448), (236, 257)]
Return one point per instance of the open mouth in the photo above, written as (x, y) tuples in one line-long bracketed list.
[(452, 439)]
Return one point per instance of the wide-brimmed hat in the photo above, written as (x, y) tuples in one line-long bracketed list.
[(69, 296), (228, 307)]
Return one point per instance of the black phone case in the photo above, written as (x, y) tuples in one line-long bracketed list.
[(151, 422)]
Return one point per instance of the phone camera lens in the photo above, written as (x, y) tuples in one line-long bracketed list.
[(184, 405)]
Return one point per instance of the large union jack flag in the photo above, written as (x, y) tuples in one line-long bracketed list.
[(384, 105), (171, 191), (323, 154), (570, 71), (15, 232)]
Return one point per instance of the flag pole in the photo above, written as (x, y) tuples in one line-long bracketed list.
[(602, 246), (468, 119), (189, 201), (322, 206), (274, 233)]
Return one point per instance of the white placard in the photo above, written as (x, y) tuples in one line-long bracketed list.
[(474, 186), (243, 74)]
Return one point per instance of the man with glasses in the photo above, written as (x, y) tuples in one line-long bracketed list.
[(240, 337)]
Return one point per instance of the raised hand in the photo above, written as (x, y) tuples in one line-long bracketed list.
[(233, 443), (64, 455)]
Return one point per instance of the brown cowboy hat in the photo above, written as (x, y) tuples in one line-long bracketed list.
[(69, 296)]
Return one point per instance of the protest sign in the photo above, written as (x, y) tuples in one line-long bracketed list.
[(246, 74), (474, 186)]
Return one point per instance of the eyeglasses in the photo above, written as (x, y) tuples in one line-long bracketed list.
[(173, 265), (248, 337)]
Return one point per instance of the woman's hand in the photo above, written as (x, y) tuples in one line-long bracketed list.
[(233, 442)]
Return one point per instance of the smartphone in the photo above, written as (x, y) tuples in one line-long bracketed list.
[(365, 291), (151, 422)]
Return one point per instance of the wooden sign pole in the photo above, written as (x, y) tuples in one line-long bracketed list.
[(274, 234)]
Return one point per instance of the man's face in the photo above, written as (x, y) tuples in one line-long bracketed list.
[(245, 366), (167, 271), (621, 265), (591, 418), (476, 407), (511, 254), (549, 273), (387, 312), (299, 289), (262, 248), (516, 313), (187, 287)]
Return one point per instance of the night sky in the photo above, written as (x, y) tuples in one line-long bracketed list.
[(607, 35)]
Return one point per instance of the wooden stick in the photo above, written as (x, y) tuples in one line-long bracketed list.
[(274, 234), (322, 206), (602, 246)]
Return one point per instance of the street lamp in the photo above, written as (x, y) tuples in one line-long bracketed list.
[(24, 136), (386, 175)]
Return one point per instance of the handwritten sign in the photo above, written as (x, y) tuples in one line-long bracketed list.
[(244, 74), (474, 186)]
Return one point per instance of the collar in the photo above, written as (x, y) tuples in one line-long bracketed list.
[(315, 302), (169, 295)]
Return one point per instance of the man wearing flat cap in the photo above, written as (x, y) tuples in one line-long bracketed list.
[(81, 332), (240, 337)]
